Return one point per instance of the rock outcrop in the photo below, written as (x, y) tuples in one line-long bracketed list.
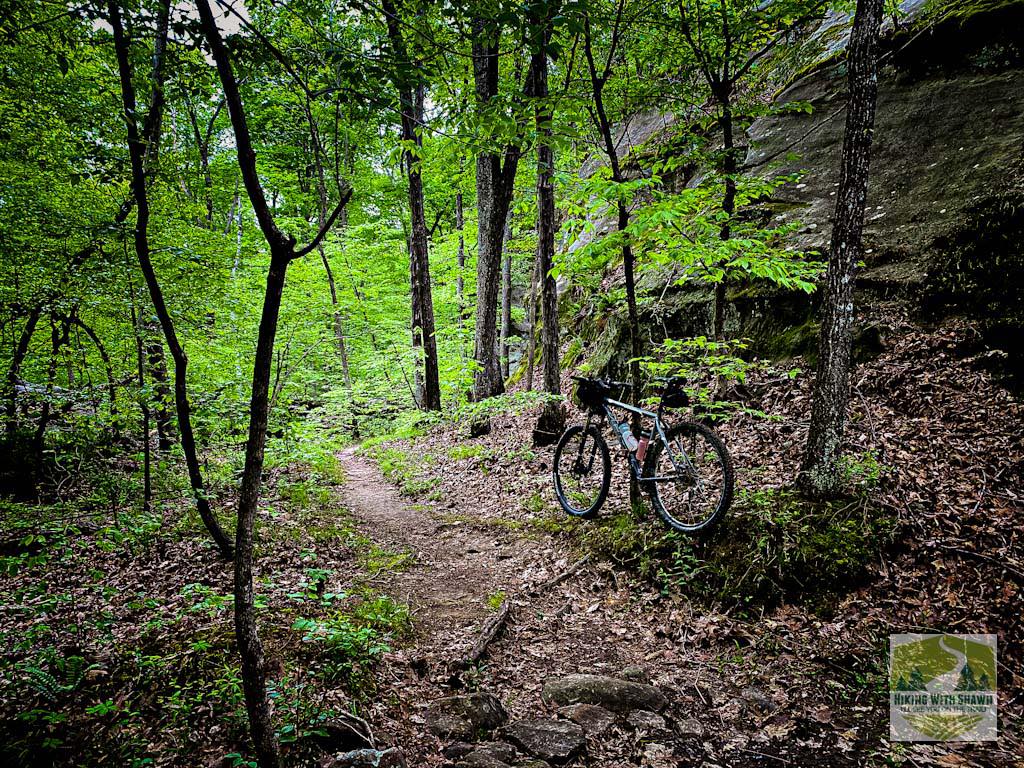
[(944, 228)]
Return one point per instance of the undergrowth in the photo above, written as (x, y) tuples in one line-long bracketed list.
[(773, 546)]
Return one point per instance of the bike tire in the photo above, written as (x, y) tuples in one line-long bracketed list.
[(727, 480), (569, 438)]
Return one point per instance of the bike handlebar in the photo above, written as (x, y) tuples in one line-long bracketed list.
[(608, 382)]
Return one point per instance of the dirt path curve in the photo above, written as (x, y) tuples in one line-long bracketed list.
[(454, 567)]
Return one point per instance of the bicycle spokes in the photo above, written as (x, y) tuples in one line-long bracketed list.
[(690, 478), (580, 472)]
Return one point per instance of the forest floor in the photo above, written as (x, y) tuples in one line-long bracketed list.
[(380, 566), (756, 673)]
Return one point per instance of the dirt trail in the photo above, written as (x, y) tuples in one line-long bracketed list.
[(454, 567)]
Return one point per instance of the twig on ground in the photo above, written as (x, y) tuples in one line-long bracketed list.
[(494, 625), (489, 633), (564, 575)]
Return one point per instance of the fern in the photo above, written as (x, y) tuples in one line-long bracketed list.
[(71, 669)]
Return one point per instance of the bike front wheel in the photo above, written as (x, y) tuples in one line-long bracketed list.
[(582, 471), (690, 478)]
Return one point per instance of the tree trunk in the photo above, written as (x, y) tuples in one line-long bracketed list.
[(229, 222), (494, 183), (157, 362), (460, 281), (820, 473), (604, 126), (108, 367), (254, 672), (14, 371), (250, 648), (534, 325), (552, 419), (729, 168), (140, 358), (419, 261), (58, 338), (137, 152), (321, 189), (506, 296), (282, 251), (411, 101)]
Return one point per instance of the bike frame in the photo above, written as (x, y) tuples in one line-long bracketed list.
[(658, 427)]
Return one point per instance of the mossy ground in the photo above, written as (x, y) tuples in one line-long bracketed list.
[(772, 547)]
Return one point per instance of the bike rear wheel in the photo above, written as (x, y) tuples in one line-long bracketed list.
[(582, 471), (691, 478)]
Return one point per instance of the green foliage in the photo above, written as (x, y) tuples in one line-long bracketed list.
[(66, 674), (701, 362), (404, 468), (510, 404), (350, 640), (864, 470), (772, 546)]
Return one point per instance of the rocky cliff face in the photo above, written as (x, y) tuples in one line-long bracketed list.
[(945, 215)]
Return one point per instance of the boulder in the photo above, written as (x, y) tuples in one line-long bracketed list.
[(553, 740), (499, 749), (457, 749), (593, 719), (488, 754), (650, 722), (608, 692), (466, 717)]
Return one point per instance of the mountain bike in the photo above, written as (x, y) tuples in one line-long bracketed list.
[(685, 468)]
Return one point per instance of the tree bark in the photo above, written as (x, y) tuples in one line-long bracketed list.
[(14, 370), (250, 647), (137, 155), (58, 338), (729, 167), (552, 419), (495, 178), (604, 126), (140, 358), (460, 281), (410, 99), (322, 212), (203, 148), (282, 251), (506, 296), (166, 434), (820, 473), (108, 367), (534, 325)]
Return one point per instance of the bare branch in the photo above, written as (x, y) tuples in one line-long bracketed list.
[(327, 225), (243, 140)]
